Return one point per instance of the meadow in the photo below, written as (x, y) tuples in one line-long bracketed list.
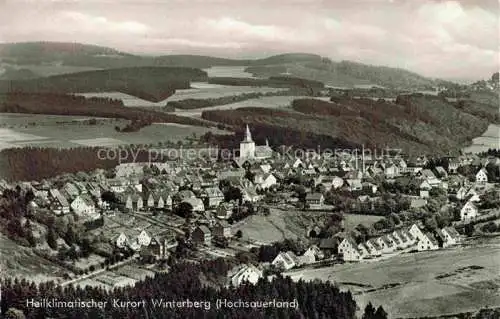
[(23, 263), (489, 139), (198, 90), (273, 102), (421, 284), (69, 131), (291, 224), (228, 71)]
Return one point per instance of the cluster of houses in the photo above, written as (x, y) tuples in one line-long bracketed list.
[(412, 238)]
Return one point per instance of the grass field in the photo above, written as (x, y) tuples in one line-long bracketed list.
[(65, 131), (21, 262), (422, 284), (352, 220), (290, 224), (490, 139), (274, 102), (228, 71), (198, 90)]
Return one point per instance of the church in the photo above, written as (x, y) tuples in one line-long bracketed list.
[(249, 151)]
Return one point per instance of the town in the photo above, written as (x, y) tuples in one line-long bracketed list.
[(113, 228)]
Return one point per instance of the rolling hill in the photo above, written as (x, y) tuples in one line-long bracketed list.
[(414, 124), (302, 65), (149, 83)]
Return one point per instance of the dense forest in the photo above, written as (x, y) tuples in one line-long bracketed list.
[(33, 163), (65, 104), (277, 135), (182, 282), (344, 73), (149, 83)]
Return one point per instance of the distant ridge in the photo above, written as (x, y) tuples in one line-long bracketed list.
[(303, 65)]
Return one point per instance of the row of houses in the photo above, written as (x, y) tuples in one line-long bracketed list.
[(288, 260), (397, 240)]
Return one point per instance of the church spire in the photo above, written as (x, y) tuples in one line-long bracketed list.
[(248, 135)]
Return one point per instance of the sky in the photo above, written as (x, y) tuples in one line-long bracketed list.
[(446, 39)]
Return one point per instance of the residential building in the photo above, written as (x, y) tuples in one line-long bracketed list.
[(469, 211), (427, 242), (315, 200), (451, 236), (285, 260), (265, 181), (202, 235), (482, 176), (222, 229), (84, 206), (214, 196), (245, 273), (349, 250), (159, 246), (416, 232), (58, 203)]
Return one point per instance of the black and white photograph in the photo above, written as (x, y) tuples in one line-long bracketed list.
[(293, 159)]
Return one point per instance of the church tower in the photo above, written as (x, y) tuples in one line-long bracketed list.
[(247, 146)]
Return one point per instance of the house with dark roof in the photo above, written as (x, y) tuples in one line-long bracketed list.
[(451, 236), (202, 235), (427, 242), (315, 200)]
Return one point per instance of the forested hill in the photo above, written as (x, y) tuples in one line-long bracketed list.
[(149, 83), (415, 124), (303, 65)]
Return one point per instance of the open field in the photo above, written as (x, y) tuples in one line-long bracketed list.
[(228, 71), (274, 102), (58, 132), (490, 139), (353, 220), (422, 284), (198, 90), (290, 224), (21, 262)]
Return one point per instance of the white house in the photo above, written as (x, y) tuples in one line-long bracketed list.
[(143, 238), (349, 250), (246, 273), (451, 236), (468, 212), (482, 176), (427, 242), (373, 248), (386, 244), (285, 261), (337, 182), (120, 240), (363, 250), (83, 205), (311, 255), (416, 232), (264, 181)]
